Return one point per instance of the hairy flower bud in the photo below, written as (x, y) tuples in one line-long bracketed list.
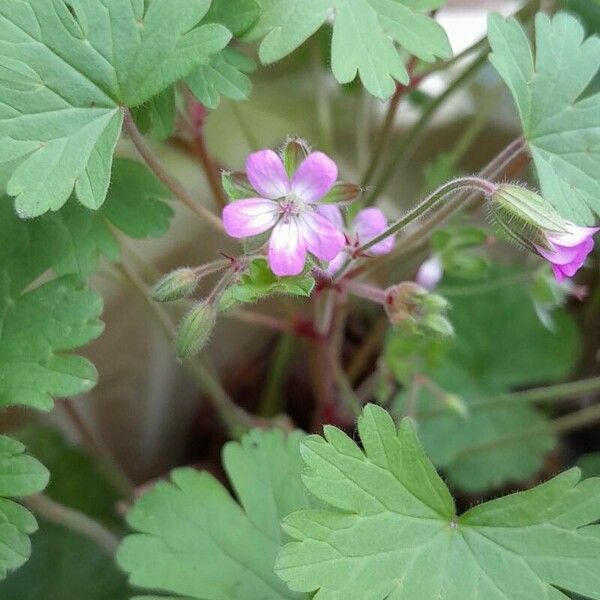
[(195, 330), (413, 306), (293, 152), (176, 285), (534, 224), (524, 216)]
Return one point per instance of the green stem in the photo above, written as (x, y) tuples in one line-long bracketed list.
[(322, 100), (484, 288), (73, 520), (347, 392), (236, 419), (546, 394), (271, 401), (164, 176), (571, 422), (405, 144), (464, 183)]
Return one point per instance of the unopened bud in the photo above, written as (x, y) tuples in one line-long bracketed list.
[(524, 216), (236, 185), (176, 285), (438, 324), (403, 301), (293, 152), (430, 272), (195, 330), (457, 404), (342, 193), (435, 303), (410, 304)]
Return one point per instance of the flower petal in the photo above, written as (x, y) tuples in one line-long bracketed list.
[(430, 273), (332, 213), (368, 224), (575, 236), (267, 174), (558, 274), (245, 218), (337, 263), (287, 250), (314, 177), (320, 236)]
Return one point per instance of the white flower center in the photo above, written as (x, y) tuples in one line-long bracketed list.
[(292, 206)]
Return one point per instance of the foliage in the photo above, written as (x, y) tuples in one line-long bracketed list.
[(20, 475), (64, 565), (499, 345), (365, 34), (39, 323), (65, 138), (392, 530), (560, 125), (259, 282), (195, 540)]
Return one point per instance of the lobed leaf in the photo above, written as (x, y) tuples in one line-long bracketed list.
[(20, 475), (259, 282), (69, 68), (195, 540), (500, 345), (40, 324), (365, 34), (560, 122), (392, 532)]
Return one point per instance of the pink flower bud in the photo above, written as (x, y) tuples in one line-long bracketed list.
[(430, 273)]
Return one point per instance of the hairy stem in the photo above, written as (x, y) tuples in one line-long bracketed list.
[(73, 520), (166, 178), (235, 418), (406, 142), (95, 446), (472, 184)]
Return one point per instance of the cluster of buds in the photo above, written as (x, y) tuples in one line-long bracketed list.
[(412, 306), (198, 324)]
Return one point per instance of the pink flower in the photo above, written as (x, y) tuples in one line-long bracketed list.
[(368, 224), (567, 251), (288, 207), (430, 273)]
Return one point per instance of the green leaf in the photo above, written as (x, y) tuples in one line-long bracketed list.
[(65, 566), (365, 34), (40, 323), (77, 237), (225, 75), (69, 68), (237, 15), (499, 345), (77, 480), (156, 117), (20, 475), (195, 540), (590, 464), (561, 126), (393, 532), (259, 282)]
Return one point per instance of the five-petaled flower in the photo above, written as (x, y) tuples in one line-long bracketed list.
[(289, 207), (367, 225), (568, 251)]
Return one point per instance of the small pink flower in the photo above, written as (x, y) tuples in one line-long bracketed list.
[(368, 224), (567, 251), (288, 207), (430, 273)]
